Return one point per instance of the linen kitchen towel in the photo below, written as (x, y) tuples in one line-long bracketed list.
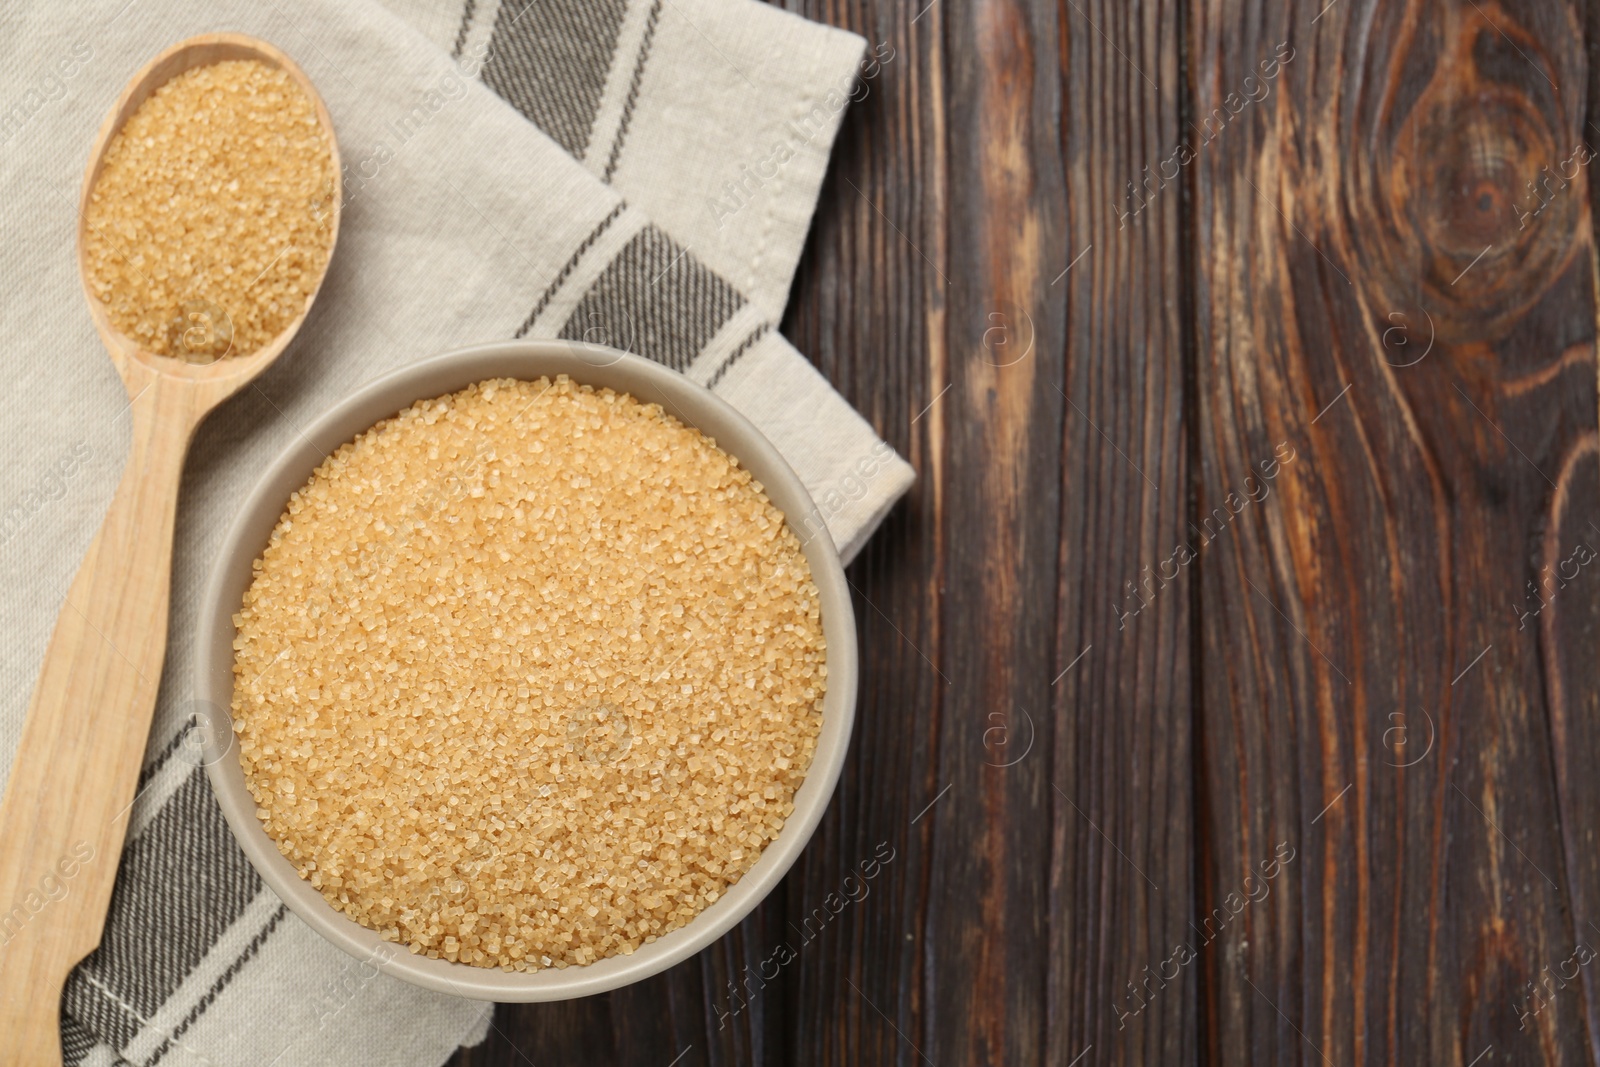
[(713, 116), (464, 221)]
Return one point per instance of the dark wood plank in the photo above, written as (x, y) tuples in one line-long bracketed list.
[(1122, 866), (868, 308), (1000, 432), (1369, 700)]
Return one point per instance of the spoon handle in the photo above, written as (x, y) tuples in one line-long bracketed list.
[(71, 788)]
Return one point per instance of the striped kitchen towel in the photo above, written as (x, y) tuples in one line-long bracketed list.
[(714, 117), (638, 172)]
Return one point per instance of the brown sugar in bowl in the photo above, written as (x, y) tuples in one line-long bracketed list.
[(600, 369)]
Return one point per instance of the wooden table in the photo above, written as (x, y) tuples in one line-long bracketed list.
[(1230, 676)]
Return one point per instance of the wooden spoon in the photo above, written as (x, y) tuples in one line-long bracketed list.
[(71, 788)]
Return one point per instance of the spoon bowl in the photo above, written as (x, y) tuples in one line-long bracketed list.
[(224, 376), (72, 785)]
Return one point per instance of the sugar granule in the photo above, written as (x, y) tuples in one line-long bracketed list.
[(528, 675)]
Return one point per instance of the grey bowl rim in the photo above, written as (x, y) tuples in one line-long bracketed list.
[(439, 375)]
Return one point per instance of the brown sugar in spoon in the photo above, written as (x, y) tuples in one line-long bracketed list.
[(72, 785)]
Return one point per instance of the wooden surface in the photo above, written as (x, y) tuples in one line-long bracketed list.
[(1208, 632)]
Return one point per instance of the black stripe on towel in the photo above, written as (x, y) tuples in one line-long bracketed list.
[(656, 300), (553, 67), (153, 768), (219, 985), (461, 31), (633, 91), (555, 286), (75, 1041), (182, 883), (745, 346)]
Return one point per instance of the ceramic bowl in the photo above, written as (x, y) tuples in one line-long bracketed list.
[(592, 365)]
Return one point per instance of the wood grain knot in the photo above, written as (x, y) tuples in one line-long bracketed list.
[(1477, 190)]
